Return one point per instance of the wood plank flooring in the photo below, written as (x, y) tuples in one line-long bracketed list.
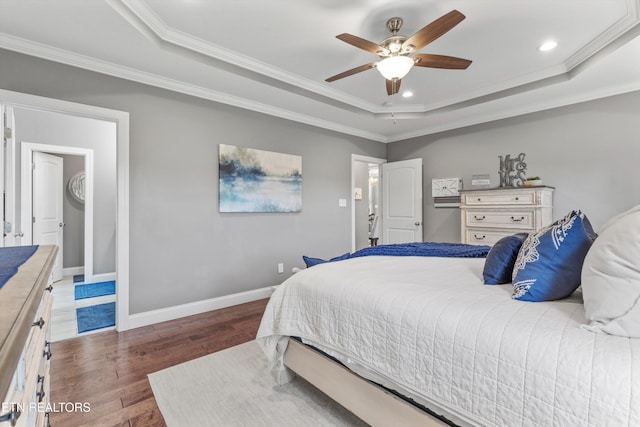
[(108, 370)]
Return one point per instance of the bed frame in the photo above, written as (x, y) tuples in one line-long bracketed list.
[(368, 401)]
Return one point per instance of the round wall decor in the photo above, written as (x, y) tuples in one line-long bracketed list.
[(76, 187)]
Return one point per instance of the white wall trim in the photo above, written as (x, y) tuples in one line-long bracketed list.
[(121, 118), (170, 313), (26, 186), (103, 277), (72, 271), (359, 158)]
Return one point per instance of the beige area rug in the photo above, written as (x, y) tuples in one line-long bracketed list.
[(233, 387)]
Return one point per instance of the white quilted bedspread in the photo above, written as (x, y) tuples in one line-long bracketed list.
[(429, 328)]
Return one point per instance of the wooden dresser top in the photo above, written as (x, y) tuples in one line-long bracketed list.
[(19, 301)]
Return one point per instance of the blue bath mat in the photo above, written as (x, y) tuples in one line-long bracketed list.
[(96, 317), (93, 290)]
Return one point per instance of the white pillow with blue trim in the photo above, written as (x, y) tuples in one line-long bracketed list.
[(550, 261), (611, 278)]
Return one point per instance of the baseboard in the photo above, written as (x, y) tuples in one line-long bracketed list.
[(103, 277), (170, 313), (72, 271)]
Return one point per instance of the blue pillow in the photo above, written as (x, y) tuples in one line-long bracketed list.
[(498, 267), (550, 261), (310, 262)]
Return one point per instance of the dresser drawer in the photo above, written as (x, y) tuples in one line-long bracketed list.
[(487, 237), (522, 220), (499, 198)]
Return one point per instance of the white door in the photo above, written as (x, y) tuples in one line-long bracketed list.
[(402, 201), (48, 223)]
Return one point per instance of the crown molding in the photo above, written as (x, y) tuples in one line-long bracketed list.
[(519, 109), (138, 10), (142, 17), (51, 53), (144, 20)]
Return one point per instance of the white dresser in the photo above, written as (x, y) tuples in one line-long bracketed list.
[(489, 215), (25, 349)]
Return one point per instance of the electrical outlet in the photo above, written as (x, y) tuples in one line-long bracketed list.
[(280, 268)]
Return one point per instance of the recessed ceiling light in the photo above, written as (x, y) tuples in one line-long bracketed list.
[(407, 94), (548, 45)]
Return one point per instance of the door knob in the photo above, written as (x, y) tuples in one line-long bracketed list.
[(62, 224), (417, 224)]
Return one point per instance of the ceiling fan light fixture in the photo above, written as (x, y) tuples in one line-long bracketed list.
[(395, 67)]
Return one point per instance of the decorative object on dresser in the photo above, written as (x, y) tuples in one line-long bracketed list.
[(512, 171), (25, 349), (533, 181), (489, 215)]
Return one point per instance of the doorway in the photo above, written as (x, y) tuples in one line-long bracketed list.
[(366, 221), (120, 235), (29, 151)]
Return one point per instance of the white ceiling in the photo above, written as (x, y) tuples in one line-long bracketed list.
[(273, 56)]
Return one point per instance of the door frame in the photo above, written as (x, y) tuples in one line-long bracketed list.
[(26, 192), (366, 159), (121, 119)]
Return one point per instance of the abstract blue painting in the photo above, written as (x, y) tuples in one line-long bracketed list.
[(254, 180)]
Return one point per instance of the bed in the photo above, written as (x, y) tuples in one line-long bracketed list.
[(427, 329)]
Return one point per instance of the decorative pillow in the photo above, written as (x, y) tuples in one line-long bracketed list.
[(310, 262), (611, 278), (498, 267), (550, 261)]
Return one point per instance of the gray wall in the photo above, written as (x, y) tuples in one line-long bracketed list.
[(73, 250), (589, 152), (182, 250), (43, 127)]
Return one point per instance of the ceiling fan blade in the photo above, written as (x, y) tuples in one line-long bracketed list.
[(363, 44), (440, 61), (352, 71), (432, 31), (393, 86)]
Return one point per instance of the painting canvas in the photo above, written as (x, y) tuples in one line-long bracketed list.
[(259, 181)]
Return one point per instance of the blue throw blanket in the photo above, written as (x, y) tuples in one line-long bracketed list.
[(12, 258), (455, 250), (434, 249)]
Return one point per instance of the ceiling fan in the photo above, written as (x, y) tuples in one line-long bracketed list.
[(395, 51)]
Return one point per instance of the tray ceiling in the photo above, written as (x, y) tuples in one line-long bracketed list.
[(273, 57)]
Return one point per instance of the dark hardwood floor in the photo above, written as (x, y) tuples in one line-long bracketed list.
[(109, 370)]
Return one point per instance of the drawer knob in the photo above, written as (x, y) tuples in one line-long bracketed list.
[(517, 198), (479, 199), (479, 218), (40, 394), (39, 323), (475, 236), (47, 350), (49, 288), (12, 416), (514, 219)]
